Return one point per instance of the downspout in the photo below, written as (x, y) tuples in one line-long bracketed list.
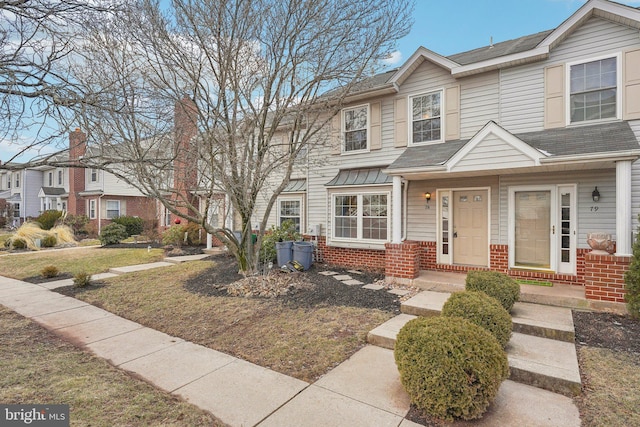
[(24, 196), (99, 208)]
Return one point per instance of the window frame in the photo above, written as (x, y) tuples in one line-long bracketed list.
[(16, 209), (367, 129), (60, 178), (18, 180), (50, 179), (291, 198), (568, 65), (92, 209), (106, 209), (410, 120), (360, 217), (93, 175)]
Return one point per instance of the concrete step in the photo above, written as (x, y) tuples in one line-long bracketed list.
[(532, 319), (540, 362)]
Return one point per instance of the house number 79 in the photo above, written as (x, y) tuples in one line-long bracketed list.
[(594, 208)]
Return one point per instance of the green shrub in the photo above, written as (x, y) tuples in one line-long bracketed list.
[(133, 224), (112, 234), (173, 236), (632, 281), (50, 271), (450, 367), (48, 219), (18, 243), (77, 223), (48, 241), (482, 310), (495, 284), (81, 279), (285, 232)]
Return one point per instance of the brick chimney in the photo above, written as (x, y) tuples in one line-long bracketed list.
[(77, 149), (185, 175)]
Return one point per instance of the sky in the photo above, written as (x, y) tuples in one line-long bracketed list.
[(453, 26)]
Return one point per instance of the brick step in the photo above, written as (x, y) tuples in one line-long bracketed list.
[(541, 362), (531, 319)]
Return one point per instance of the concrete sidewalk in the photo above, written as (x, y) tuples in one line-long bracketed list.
[(364, 390)]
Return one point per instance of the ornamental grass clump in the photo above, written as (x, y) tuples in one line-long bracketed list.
[(495, 284), (50, 271), (81, 279), (451, 368), (482, 310)]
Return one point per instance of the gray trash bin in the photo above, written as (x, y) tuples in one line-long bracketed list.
[(284, 252), (303, 253)]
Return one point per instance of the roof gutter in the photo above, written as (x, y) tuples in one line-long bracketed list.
[(520, 58), (387, 89), (594, 157), (409, 171)]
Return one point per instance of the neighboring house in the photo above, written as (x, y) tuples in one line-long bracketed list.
[(501, 158), (99, 195)]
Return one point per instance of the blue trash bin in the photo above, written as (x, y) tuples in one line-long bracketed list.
[(303, 253), (284, 252)]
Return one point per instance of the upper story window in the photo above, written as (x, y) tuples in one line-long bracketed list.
[(50, 179), (355, 124), (593, 90), (60, 180), (426, 119), (18, 180), (94, 175)]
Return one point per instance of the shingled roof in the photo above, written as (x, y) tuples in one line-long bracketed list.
[(575, 141)]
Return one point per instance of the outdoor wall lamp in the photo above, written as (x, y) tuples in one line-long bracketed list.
[(427, 197), (595, 195)]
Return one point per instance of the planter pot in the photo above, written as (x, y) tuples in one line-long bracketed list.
[(600, 243)]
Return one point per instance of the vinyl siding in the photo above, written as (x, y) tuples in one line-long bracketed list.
[(30, 186), (492, 153), (635, 182), (589, 220), (479, 102), (522, 88)]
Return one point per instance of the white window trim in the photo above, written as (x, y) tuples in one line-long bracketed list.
[(567, 85), (410, 117), (358, 242), (106, 210), (342, 130), (95, 209), (50, 179), (296, 198), (91, 180), (60, 177)]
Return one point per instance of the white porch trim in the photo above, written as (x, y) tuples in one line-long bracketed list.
[(623, 208)]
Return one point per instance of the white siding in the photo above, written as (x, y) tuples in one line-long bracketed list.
[(635, 182), (112, 185), (589, 219), (493, 153), (522, 88), (30, 186), (479, 102)]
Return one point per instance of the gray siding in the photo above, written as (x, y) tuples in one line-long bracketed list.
[(31, 183), (479, 102), (492, 152), (635, 182), (589, 220)]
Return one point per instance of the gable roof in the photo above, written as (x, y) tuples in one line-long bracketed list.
[(522, 50), (600, 141)]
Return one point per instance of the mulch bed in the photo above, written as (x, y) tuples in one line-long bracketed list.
[(607, 330), (316, 290), (41, 279)]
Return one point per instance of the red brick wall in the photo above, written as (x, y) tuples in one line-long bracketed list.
[(77, 148), (604, 277), (499, 258), (369, 259), (402, 260)]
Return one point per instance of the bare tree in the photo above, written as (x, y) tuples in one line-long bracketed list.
[(253, 84), (37, 39)]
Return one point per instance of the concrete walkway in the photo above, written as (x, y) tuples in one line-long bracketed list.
[(364, 390)]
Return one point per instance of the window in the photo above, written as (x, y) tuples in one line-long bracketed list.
[(113, 209), (92, 209), (355, 128), (94, 175), (18, 180), (16, 210), (426, 123), (593, 90), (361, 216), (59, 177), (290, 209)]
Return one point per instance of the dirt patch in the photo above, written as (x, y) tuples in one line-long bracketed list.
[(304, 290), (607, 330)]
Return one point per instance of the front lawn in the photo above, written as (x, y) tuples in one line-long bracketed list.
[(91, 260)]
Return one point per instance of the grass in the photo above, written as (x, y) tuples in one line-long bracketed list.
[(611, 381), (301, 342), (38, 367), (91, 260)]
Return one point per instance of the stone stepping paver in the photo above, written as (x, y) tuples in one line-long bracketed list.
[(399, 292), (352, 282), (374, 287), (355, 272), (328, 273), (342, 277)]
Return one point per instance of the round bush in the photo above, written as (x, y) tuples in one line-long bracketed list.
[(133, 224), (495, 284), (50, 271), (112, 234), (450, 367), (482, 310)]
